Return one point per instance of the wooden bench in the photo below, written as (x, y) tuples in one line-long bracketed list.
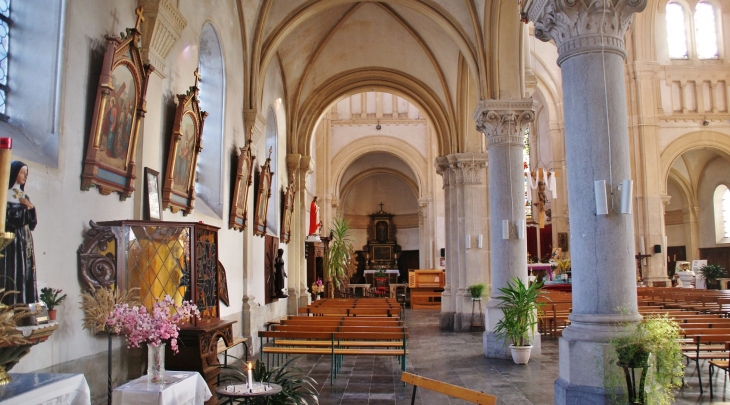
[(476, 397), (704, 346), (336, 344), (223, 348)]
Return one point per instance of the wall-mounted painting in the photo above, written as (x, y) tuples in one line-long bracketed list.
[(118, 111), (178, 192), (286, 213), (242, 184), (262, 197), (152, 210)]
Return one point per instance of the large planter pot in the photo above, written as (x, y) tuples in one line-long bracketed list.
[(520, 354)]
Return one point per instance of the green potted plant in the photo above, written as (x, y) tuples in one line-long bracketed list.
[(52, 298), (712, 273), (652, 344), (339, 253), (520, 306), (476, 290)]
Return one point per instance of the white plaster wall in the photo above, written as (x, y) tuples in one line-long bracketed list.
[(676, 235), (677, 201), (408, 238), (368, 193), (64, 210), (376, 160)]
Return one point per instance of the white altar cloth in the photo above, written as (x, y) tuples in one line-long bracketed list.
[(180, 388), (46, 389), (390, 271)]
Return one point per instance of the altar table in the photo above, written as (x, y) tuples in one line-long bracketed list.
[(46, 389), (180, 388)]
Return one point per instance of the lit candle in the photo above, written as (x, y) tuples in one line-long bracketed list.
[(250, 376)]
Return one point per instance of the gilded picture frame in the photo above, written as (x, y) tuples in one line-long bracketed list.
[(287, 213), (118, 112), (242, 184), (152, 201), (262, 197), (178, 191)]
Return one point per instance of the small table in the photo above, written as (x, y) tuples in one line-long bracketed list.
[(259, 390), (180, 388), (354, 288)]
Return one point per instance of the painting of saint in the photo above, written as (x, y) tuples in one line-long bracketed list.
[(184, 156), (118, 118), (241, 204), (263, 201)]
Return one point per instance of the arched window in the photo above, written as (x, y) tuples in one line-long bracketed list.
[(676, 31), (208, 185), (721, 202), (272, 141), (706, 31)]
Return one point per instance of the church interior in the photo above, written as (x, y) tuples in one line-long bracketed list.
[(221, 142)]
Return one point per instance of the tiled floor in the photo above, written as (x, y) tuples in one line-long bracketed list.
[(457, 358)]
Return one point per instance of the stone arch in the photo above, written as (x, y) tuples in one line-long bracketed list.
[(347, 187), (360, 80), (379, 144), (700, 139)]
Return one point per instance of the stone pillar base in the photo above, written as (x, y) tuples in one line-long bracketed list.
[(571, 394), (292, 303), (446, 321)]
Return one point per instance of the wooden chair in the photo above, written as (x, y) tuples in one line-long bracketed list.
[(723, 364), (476, 397)]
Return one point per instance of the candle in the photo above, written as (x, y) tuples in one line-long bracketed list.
[(6, 157), (250, 376)]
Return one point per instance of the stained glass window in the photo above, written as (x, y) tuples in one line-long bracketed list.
[(705, 31), (676, 32), (5, 24)]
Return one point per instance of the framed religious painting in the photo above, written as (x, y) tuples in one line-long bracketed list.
[(286, 213), (178, 191), (118, 111), (262, 197), (152, 202), (242, 184)]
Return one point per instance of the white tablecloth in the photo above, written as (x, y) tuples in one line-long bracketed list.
[(390, 271), (46, 389), (180, 388)]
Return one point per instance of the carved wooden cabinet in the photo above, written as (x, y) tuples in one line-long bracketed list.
[(179, 259)]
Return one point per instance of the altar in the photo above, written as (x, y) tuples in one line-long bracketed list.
[(392, 275), (45, 388)]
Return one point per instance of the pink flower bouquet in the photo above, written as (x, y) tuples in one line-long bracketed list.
[(154, 328)]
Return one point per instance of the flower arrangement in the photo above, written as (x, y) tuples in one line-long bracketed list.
[(317, 287), (50, 297), (99, 303), (152, 328)]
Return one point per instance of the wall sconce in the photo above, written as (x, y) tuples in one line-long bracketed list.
[(627, 194), (467, 242), (505, 229), (521, 229), (599, 188), (480, 242), (378, 126)]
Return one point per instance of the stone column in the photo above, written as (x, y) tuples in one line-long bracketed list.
[(692, 232), (504, 123), (591, 55), (466, 217)]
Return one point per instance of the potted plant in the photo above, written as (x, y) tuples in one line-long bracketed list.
[(296, 386), (652, 344), (52, 298), (476, 291), (339, 253), (712, 273), (519, 304)]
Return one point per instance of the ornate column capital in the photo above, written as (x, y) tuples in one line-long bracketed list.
[(504, 121), (665, 200), (443, 169), (162, 28), (293, 160), (582, 26), (468, 167)]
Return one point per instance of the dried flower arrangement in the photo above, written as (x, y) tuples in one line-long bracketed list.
[(9, 316), (98, 304)]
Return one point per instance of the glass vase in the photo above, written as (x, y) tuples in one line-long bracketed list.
[(156, 363)]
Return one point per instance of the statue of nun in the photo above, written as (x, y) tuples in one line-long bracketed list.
[(17, 266)]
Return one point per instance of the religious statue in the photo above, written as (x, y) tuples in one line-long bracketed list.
[(17, 266), (314, 220), (280, 274), (540, 204)]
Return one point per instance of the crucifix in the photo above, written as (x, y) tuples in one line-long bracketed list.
[(140, 17), (639, 257), (381, 207), (197, 77)]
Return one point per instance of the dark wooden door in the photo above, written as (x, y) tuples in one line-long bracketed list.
[(272, 245), (675, 254), (407, 260)]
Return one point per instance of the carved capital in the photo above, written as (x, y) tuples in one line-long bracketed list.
[(582, 26), (255, 124), (163, 25), (443, 169), (504, 121), (468, 168), (293, 160), (665, 200)]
